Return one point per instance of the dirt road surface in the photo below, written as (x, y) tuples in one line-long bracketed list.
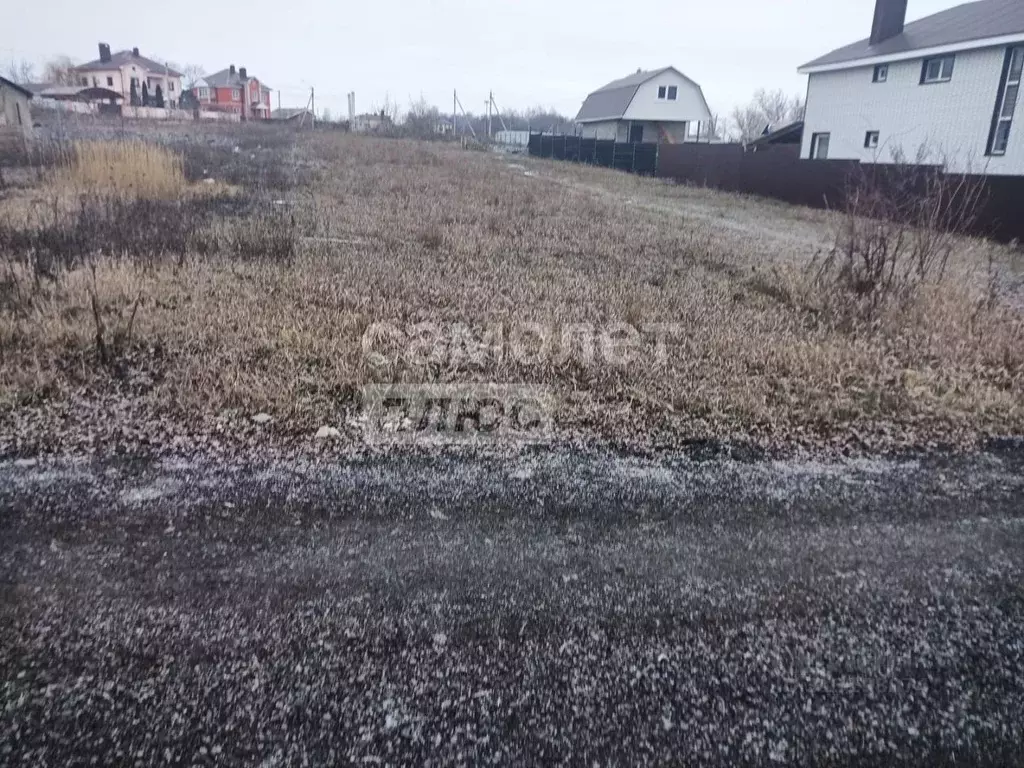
[(549, 607)]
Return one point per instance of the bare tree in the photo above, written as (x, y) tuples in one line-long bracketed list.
[(21, 71), (768, 109), (388, 110), (60, 71), (193, 74), (421, 120)]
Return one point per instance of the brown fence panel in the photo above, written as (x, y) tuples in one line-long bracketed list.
[(711, 165), (779, 173)]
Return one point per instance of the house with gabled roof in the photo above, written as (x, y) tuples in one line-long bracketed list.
[(15, 114), (656, 106), (234, 90), (943, 88), (120, 71)]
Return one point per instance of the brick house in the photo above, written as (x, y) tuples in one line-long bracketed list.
[(232, 90)]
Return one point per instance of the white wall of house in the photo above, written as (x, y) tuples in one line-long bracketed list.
[(603, 130), (674, 133), (951, 119), (688, 105), (120, 78)]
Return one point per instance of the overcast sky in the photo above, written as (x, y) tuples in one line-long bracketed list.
[(546, 53)]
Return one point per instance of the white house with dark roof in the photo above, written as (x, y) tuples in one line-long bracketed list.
[(659, 106), (946, 84), (117, 71)]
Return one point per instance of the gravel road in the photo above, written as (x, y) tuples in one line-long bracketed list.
[(553, 606)]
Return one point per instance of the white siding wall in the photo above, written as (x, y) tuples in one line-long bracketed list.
[(689, 104), (605, 130), (676, 133), (951, 119), (124, 74)]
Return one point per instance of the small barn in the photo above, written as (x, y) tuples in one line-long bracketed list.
[(15, 114), (661, 106)]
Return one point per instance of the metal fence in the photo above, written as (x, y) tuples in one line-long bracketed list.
[(780, 174), (634, 158)]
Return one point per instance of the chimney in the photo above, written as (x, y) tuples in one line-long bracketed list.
[(231, 70), (890, 16), (241, 73), (135, 52), (104, 52)]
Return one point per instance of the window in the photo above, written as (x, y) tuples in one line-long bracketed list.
[(1006, 103), (170, 86), (871, 140), (881, 73), (204, 93), (84, 81), (672, 92), (236, 94), (110, 82), (819, 146), (937, 70), (661, 91)]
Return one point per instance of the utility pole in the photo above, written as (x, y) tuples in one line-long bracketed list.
[(490, 100), (278, 99), (455, 113), (312, 102)]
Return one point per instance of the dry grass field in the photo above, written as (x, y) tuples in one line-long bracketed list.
[(241, 282)]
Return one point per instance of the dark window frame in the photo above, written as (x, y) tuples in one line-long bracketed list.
[(880, 74), (673, 93), (815, 144), (925, 80), (1008, 79), (662, 90), (867, 139)]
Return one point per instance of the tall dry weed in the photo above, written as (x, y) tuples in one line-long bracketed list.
[(132, 170)]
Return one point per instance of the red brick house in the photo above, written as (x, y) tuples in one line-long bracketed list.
[(232, 90)]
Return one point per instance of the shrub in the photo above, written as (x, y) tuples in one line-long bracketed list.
[(899, 226)]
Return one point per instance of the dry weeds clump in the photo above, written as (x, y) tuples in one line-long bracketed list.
[(402, 232), (900, 226), (125, 169)]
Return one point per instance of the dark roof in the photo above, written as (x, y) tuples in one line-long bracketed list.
[(962, 24), (20, 88), (77, 93), (787, 134), (223, 78), (612, 100), (226, 78), (127, 57)]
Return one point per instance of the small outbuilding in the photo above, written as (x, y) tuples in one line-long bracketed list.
[(15, 113)]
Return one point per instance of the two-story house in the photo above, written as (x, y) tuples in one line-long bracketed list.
[(119, 71), (657, 106), (944, 88), (232, 90)]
